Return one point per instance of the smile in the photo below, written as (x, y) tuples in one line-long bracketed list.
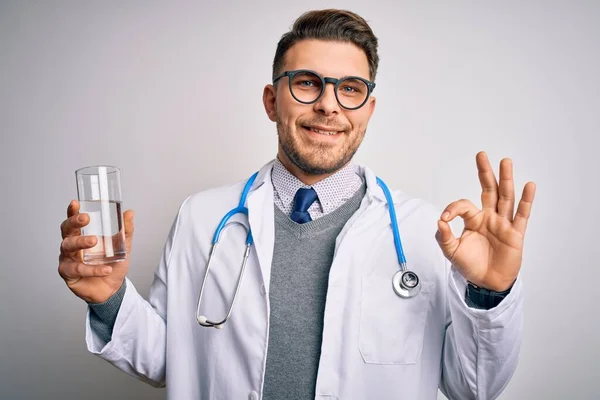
[(322, 131)]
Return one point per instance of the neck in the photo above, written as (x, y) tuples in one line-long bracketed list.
[(306, 177)]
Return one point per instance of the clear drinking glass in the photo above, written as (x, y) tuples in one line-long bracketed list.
[(99, 195)]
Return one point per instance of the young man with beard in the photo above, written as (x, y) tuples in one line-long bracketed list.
[(317, 315)]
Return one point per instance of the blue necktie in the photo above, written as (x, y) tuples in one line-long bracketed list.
[(302, 201)]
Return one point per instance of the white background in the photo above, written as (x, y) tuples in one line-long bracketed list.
[(171, 93)]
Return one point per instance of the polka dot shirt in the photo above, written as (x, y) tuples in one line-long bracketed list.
[(332, 191)]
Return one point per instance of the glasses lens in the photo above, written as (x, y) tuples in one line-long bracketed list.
[(306, 87), (352, 92)]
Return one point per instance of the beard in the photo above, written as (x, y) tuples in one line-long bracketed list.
[(320, 158)]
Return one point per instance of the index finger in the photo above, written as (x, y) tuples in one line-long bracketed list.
[(69, 226), (73, 208), (489, 185)]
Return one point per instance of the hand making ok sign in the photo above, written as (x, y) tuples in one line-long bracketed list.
[(490, 249)]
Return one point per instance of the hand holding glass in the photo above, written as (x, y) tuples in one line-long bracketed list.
[(99, 195)]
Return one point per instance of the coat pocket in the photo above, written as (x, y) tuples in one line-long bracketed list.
[(391, 328)]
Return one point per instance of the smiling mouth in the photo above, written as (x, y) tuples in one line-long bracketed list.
[(326, 132)]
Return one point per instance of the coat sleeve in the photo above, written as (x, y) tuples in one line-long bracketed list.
[(481, 347), (138, 343)]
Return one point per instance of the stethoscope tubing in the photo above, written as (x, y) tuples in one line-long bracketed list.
[(399, 288), (394, 222), (240, 209)]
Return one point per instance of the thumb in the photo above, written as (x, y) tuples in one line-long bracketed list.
[(128, 222), (446, 239)]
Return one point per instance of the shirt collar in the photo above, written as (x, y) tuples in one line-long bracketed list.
[(373, 189), (329, 190)]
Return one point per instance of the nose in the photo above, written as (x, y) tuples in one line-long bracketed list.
[(327, 104)]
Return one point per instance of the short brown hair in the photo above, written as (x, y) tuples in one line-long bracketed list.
[(330, 24)]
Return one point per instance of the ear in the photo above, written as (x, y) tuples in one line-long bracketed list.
[(269, 101), (371, 104)]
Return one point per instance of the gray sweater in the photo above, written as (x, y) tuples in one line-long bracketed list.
[(302, 257)]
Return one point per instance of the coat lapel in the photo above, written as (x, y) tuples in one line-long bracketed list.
[(262, 220)]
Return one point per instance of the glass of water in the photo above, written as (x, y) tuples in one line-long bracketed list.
[(99, 195)]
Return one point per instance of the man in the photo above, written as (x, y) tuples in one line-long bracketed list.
[(316, 315)]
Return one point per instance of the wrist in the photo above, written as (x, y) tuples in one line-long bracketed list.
[(108, 295), (497, 287), (105, 293)]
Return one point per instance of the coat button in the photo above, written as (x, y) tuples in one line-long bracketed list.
[(253, 395)]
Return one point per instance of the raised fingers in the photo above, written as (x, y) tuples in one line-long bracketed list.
[(524, 208), (506, 190), (489, 186)]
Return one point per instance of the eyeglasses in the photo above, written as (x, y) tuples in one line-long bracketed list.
[(307, 87)]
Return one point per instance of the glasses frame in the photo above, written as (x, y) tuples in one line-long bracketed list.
[(325, 80)]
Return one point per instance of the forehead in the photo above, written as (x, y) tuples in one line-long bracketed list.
[(329, 58)]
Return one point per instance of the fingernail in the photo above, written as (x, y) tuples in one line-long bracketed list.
[(80, 218), (446, 215), (107, 270)]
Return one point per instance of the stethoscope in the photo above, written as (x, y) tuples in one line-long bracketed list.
[(405, 282)]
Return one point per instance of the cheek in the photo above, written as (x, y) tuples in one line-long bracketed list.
[(288, 113), (358, 121), (284, 101)]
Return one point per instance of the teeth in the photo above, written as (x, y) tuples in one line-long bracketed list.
[(324, 132)]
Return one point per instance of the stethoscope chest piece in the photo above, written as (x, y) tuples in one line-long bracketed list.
[(406, 284)]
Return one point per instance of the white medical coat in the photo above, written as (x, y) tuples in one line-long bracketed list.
[(375, 344)]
